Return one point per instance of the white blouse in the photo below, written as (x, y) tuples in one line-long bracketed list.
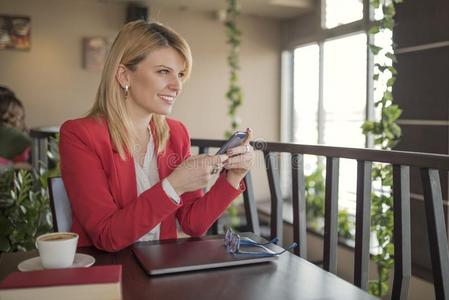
[(147, 176)]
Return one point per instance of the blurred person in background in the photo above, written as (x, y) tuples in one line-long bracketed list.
[(15, 144)]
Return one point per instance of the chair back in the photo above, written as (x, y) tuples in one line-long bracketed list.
[(60, 205)]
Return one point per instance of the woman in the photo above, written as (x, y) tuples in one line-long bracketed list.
[(15, 144), (127, 168)]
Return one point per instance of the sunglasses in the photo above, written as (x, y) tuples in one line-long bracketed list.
[(233, 242)]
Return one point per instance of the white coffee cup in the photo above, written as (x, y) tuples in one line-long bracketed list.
[(57, 250)]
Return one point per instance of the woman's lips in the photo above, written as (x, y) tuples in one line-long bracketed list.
[(168, 99)]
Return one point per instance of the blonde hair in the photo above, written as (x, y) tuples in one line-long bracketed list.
[(132, 44)]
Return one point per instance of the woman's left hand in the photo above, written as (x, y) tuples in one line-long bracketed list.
[(240, 160)]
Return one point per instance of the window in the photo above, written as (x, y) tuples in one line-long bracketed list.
[(333, 89), (344, 90), (340, 12)]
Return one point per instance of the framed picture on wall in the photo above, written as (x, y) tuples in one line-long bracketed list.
[(95, 50), (15, 32)]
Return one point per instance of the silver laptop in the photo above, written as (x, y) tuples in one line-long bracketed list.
[(182, 255)]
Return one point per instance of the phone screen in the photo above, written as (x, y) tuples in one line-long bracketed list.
[(235, 140)]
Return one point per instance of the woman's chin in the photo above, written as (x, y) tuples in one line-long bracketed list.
[(163, 111)]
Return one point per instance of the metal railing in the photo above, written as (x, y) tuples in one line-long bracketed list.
[(429, 165)]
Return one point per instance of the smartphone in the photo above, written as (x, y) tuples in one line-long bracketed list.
[(235, 140)]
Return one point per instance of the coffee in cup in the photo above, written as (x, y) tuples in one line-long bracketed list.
[(57, 250)]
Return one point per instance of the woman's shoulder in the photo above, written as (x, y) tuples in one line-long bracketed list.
[(91, 130), (177, 128), (87, 123)]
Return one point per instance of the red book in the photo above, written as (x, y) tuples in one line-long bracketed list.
[(98, 282)]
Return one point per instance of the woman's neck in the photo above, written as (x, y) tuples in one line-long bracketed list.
[(140, 119)]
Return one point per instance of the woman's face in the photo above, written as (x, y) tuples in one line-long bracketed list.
[(156, 82)]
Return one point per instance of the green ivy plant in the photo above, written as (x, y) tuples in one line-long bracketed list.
[(314, 188), (386, 134), (234, 94)]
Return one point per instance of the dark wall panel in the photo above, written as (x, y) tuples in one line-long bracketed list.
[(424, 138), (422, 91), (421, 22), (422, 87)]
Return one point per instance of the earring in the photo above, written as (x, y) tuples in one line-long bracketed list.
[(126, 90)]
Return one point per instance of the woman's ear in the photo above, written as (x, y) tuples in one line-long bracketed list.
[(122, 76)]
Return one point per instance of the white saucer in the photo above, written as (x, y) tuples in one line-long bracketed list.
[(34, 264)]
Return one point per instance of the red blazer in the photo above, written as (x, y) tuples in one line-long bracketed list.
[(102, 189)]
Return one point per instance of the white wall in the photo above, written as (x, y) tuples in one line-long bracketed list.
[(49, 78), (54, 87)]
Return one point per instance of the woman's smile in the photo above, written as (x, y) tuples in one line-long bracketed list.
[(167, 98)]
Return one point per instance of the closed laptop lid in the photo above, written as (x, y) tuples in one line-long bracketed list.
[(172, 256)]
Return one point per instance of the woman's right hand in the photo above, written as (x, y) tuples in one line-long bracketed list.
[(195, 172)]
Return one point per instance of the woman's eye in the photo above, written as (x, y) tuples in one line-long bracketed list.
[(181, 75), (163, 72)]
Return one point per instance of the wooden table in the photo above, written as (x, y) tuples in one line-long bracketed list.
[(289, 277)]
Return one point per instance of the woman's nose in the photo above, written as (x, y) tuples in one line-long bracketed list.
[(175, 84)]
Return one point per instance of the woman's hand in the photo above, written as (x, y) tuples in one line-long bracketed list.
[(195, 172), (240, 161)]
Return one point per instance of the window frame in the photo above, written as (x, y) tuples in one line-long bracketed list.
[(319, 38), (287, 80)]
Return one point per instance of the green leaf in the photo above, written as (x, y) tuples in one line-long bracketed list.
[(389, 10), (388, 23), (367, 126), (391, 56), (391, 81), (387, 96), (375, 49), (375, 3), (374, 29), (392, 70), (396, 130)]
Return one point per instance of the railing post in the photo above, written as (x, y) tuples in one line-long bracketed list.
[(439, 252), (299, 205), (203, 150), (402, 237), (331, 215), (362, 224), (250, 205), (214, 228), (276, 198)]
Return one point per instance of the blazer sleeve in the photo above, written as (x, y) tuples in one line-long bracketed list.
[(200, 210), (109, 226)]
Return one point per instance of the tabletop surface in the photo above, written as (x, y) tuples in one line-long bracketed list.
[(289, 277)]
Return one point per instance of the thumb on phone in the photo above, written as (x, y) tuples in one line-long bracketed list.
[(249, 137)]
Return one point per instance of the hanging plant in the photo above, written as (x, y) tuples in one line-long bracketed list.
[(234, 94), (386, 134)]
